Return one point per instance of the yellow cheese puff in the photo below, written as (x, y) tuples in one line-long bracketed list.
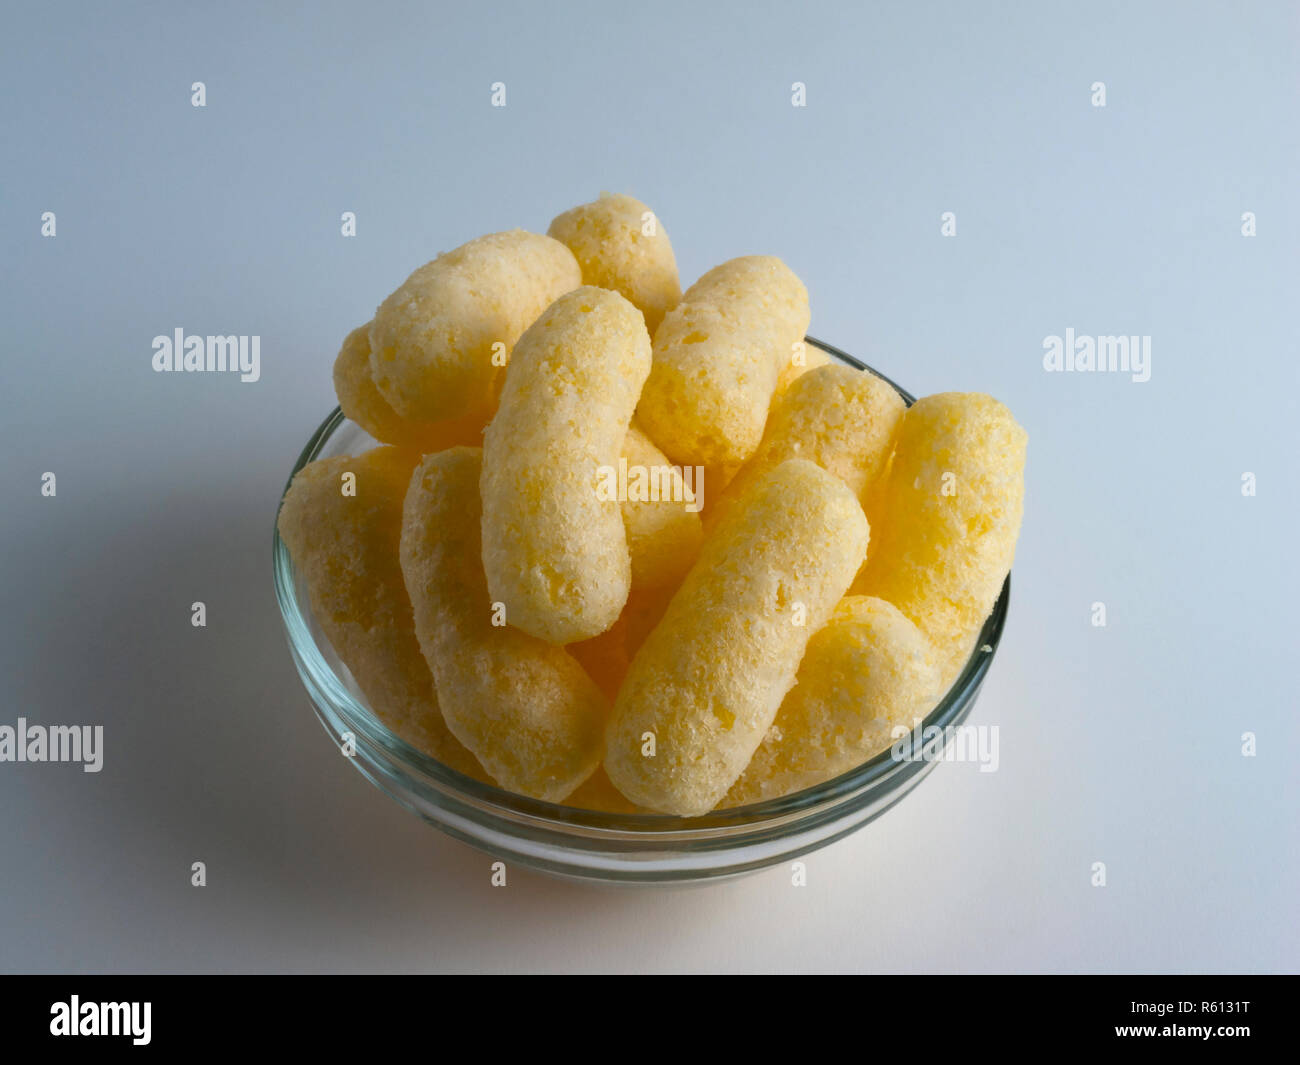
[(525, 708), (759, 286), (438, 344), (554, 547), (717, 358), (867, 671), (365, 404), (949, 517), (704, 687), (341, 520), (621, 245), (843, 419)]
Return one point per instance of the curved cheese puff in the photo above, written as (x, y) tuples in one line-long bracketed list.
[(525, 708), (346, 548), (709, 388), (843, 419), (718, 356), (759, 286), (867, 671), (707, 682), (609, 239), (432, 340), (949, 517), (663, 536), (554, 549), (361, 401)]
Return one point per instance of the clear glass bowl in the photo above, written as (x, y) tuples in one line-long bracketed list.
[(585, 844)]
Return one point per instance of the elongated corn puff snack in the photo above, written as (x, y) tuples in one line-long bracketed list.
[(365, 404), (868, 671), (704, 687), (527, 710), (439, 344), (718, 356), (843, 419), (342, 533), (949, 516), (621, 245), (554, 549)]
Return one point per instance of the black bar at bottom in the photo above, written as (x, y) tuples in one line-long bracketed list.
[(337, 1014)]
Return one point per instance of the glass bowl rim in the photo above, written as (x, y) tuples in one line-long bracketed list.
[(858, 781)]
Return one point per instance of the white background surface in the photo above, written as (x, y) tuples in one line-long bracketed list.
[(1119, 744)]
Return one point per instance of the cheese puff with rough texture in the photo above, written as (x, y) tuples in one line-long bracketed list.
[(709, 388), (663, 535), (843, 419), (555, 551), (431, 341), (867, 671), (365, 404), (949, 516), (762, 286), (346, 546), (525, 708), (808, 357), (608, 238), (708, 680), (717, 358)]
